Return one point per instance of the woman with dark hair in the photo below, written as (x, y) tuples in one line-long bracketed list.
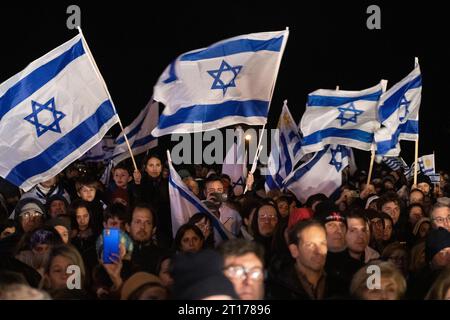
[(189, 238), (152, 187), (204, 223), (264, 223), (83, 235)]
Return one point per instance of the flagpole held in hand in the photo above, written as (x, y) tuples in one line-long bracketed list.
[(91, 59)]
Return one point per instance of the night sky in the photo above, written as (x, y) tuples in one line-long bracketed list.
[(329, 44)]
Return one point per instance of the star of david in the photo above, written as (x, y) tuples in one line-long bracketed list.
[(334, 159), (350, 109), (34, 119), (404, 103), (218, 83)]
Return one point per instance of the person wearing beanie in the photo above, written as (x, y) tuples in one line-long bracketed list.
[(30, 213), (57, 205), (143, 286), (333, 220), (424, 184), (200, 276), (437, 256)]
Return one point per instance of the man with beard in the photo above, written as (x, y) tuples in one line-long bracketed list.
[(305, 277), (141, 228)]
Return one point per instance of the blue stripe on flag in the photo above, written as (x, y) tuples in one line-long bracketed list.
[(308, 166), (288, 164), (143, 141), (353, 134), (212, 112), (200, 208), (62, 147), (38, 78), (271, 184), (233, 47), (333, 101), (391, 104), (131, 133), (410, 126)]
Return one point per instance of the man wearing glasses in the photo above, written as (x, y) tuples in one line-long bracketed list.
[(440, 216), (243, 262)]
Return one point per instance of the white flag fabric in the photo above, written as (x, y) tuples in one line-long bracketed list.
[(234, 165), (321, 174), (399, 113), (138, 133), (341, 117), (101, 152), (286, 153), (52, 113), (184, 204), (426, 164), (227, 83)]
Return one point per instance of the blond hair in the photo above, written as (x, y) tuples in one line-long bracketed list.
[(388, 270)]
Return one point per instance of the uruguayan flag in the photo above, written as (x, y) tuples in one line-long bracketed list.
[(321, 174), (284, 155), (399, 113), (341, 117), (51, 113), (230, 82), (426, 166), (138, 133), (184, 204)]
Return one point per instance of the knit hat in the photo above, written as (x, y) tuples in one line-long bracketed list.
[(437, 240), (200, 275), (136, 281), (424, 178), (31, 207), (327, 211)]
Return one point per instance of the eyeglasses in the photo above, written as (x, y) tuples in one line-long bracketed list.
[(241, 273), (30, 214), (267, 216), (442, 219)]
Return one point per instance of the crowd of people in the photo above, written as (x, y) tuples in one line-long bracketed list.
[(388, 239)]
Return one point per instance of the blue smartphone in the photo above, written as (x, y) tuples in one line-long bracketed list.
[(111, 240)]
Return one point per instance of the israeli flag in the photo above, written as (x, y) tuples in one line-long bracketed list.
[(341, 117), (52, 113), (235, 166), (399, 113), (101, 152), (184, 204), (138, 134), (229, 82), (321, 174), (284, 155)]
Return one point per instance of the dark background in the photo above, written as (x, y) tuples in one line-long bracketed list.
[(329, 44)]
